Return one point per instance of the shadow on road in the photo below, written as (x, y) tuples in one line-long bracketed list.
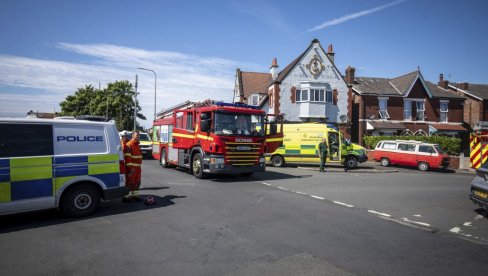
[(17, 222), (482, 212), (268, 175)]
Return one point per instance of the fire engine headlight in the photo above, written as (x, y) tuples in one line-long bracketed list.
[(261, 160), (217, 161)]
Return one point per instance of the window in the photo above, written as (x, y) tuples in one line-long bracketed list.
[(406, 147), (25, 140), (420, 111), (407, 110), (316, 95), (304, 95), (444, 111), (383, 103), (426, 149), (189, 121), (253, 99), (328, 98), (390, 146), (298, 95)]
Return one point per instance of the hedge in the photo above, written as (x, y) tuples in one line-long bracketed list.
[(451, 145)]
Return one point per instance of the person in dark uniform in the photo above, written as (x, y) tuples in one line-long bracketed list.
[(323, 153)]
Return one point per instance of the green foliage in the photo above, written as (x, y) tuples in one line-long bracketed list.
[(451, 145), (91, 101)]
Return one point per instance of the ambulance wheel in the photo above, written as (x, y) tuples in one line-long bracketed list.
[(277, 161), (197, 166), (163, 160), (351, 162), (80, 201), (423, 166), (385, 162)]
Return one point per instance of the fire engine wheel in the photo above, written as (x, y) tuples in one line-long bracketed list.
[(351, 162), (80, 200), (385, 162), (163, 160), (277, 161), (197, 166), (423, 166)]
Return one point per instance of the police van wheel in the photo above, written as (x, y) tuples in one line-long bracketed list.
[(80, 201), (351, 162), (423, 166), (197, 166), (277, 161), (163, 161)]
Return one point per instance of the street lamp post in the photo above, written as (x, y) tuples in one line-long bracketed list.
[(155, 81)]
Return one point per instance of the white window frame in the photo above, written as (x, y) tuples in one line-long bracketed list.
[(421, 110), (305, 95), (251, 98), (383, 112), (316, 95), (445, 112), (405, 110)]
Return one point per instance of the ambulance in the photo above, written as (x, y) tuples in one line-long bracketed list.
[(300, 146), (66, 164)]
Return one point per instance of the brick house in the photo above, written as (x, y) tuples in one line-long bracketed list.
[(309, 89), (407, 104), (476, 103)]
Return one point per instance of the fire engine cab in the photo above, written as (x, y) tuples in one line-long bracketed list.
[(216, 138)]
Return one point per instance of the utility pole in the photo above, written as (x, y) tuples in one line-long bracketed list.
[(135, 107)]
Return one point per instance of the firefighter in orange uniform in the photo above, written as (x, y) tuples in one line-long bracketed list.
[(134, 167), (125, 149)]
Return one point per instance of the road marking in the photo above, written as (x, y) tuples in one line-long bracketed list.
[(478, 217), (266, 184), (455, 230), (467, 223), (416, 222), (317, 197), (419, 216), (378, 213), (298, 192), (343, 204), (281, 188)]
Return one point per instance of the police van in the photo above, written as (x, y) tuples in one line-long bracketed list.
[(66, 164)]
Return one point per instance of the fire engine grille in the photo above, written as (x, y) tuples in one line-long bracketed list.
[(242, 154)]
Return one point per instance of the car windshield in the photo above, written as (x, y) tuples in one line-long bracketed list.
[(144, 137), (238, 124), (439, 149)]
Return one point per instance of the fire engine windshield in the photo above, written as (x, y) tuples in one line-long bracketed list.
[(238, 124)]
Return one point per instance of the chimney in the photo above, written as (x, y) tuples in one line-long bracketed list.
[(443, 83), (330, 53), (464, 86), (274, 69), (350, 71)]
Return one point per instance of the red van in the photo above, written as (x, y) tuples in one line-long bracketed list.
[(411, 153)]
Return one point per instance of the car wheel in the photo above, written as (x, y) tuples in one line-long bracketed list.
[(81, 200), (277, 161), (385, 162), (163, 160), (351, 162), (423, 166), (197, 166)]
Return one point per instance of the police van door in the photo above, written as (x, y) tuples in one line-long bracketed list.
[(26, 174)]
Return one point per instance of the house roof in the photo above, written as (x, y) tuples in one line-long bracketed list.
[(439, 92), (400, 86), (447, 127), (253, 82), (477, 90), (387, 125)]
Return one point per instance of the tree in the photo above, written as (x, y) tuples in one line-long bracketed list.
[(90, 101)]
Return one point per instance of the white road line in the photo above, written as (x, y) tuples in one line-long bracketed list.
[(467, 223), (264, 183), (298, 192), (419, 215), (416, 222), (317, 197), (378, 213), (343, 204), (281, 188), (455, 230)]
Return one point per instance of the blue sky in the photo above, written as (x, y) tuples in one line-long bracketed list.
[(49, 49)]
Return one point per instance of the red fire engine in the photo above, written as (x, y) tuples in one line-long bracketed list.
[(216, 138)]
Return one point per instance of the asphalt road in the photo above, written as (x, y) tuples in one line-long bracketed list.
[(287, 221)]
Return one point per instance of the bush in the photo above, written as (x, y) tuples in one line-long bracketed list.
[(451, 145)]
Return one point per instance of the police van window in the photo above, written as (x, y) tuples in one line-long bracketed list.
[(19, 140), (80, 139)]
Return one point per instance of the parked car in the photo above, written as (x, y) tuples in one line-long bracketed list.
[(479, 187), (411, 153)]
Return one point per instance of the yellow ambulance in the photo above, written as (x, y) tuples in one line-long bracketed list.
[(300, 146)]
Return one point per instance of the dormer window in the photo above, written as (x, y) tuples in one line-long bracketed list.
[(253, 99), (383, 104)]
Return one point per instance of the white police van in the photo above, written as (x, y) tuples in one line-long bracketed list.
[(64, 164)]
